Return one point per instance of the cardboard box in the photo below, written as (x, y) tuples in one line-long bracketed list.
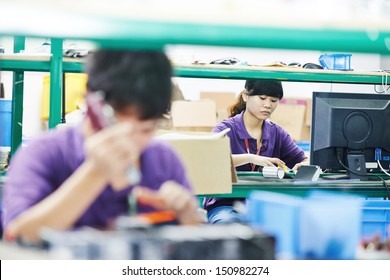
[(222, 99), (294, 115), (222, 114), (222, 102), (207, 161), (193, 115), (309, 105)]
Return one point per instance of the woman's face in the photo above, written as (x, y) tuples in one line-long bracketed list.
[(260, 106)]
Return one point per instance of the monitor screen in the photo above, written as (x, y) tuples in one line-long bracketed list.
[(350, 132)]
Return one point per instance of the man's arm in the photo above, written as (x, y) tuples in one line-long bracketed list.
[(61, 209), (107, 156)]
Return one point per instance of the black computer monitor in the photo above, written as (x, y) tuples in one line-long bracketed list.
[(348, 131)]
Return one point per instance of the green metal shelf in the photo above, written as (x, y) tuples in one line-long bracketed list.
[(151, 29), (23, 65), (283, 74), (39, 66), (221, 72)]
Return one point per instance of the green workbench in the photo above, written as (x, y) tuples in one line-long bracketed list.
[(252, 181)]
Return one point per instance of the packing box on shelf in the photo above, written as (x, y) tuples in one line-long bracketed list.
[(222, 101), (193, 115), (294, 115), (207, 159)]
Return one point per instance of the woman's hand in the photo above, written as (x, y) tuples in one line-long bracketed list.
[(266, 161), (171, 196), (298, 165), (111, 151)]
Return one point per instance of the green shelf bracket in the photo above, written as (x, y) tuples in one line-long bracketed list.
[(56, 71), (17, 100)]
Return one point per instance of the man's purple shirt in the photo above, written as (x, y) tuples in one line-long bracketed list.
[(37, 170)]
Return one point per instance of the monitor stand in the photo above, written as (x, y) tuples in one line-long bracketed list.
[(357, 164)]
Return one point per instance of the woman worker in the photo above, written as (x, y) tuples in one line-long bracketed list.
[(255, 141)]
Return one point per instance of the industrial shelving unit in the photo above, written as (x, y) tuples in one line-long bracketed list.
[(134, 31)]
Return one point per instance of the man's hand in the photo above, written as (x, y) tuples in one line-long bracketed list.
[(171, 196), (111, 151)]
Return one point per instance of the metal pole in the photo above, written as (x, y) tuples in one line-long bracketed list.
[(55, 83), (17, 100)]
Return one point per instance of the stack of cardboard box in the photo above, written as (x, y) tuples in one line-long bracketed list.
[(203, 114), (294, 115)]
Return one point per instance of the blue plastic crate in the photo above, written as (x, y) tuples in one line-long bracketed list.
[(304, 145), (322, 226), (376, 219), (336, 61), (5, 122), (278, 215)]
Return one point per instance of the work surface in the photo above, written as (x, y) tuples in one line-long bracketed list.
[(249, 182)]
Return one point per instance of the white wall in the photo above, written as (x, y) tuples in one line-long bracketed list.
[(192, 87)]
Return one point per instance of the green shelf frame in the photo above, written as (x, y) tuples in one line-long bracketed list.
[(24, 65), (156, 32), (244, 187), (282, 74), (108, 31), (56, 66), (221, 72), (38, 66)]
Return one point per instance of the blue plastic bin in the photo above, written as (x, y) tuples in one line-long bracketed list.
[(278, 215), (336, 61), (323, 225), (5, 122), (304, 145), (376, 219)]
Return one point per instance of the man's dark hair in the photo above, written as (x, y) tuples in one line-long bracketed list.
[(132, 78)]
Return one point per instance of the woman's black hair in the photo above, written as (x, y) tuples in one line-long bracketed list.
[(256, 87), (264, 87), (132, 78)]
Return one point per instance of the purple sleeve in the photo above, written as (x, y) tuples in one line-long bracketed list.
[(220, 127), (29, 179), (291, 153)]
